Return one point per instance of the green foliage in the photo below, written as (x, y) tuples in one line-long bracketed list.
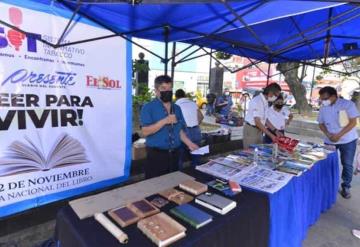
[(222, 55), (140, 67), (144, 96)]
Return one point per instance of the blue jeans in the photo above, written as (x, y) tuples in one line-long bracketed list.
[(194, 135), (347, 154)]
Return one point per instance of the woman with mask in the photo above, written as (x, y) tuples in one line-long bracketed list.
[(163, 124), (278, 117), (257, 114)]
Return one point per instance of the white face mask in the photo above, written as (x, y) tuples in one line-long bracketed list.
[(326, 102), (272, 98)]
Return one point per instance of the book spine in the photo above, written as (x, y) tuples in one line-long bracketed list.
[(184, 218), (190, 190)]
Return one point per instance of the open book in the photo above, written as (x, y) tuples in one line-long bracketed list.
[(27, 157)]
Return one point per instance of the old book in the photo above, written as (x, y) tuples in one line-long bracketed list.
[(143, 208), (27, 156), (176, 196), (192, 215), (159, 202), (124, 216), (161, 229), (216, 203), (193, 187)]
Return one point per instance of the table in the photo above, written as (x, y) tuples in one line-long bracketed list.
[(299, 204), (247, 224), (276, 220)]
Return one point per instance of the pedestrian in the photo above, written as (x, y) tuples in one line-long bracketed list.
[(163, 125), (224, 103), (257, 115), (340, 132), (277, 119), (193, 117)]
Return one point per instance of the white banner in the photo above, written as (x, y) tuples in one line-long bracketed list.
[(64, 113)]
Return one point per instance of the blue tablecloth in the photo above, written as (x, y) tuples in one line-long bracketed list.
[(299, 204)]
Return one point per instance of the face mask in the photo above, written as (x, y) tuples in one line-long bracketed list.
[(326, 102), (166, 96), (278, 106), (226, 93), (272, 98)]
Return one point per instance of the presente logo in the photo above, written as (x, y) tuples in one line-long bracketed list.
[(102, 82), (16, 39), (26, 78)]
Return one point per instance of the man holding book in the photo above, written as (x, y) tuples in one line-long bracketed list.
[(337, 120), (257, 115), (163, 126)]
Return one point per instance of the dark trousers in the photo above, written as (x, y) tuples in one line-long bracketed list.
[(194, 134), (347, 154), (160, 162)]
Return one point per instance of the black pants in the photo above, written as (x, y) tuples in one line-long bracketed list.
[(160, 162)]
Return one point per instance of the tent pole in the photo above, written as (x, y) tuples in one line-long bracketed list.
[(217, 60), (312, 84), (166, 40), (268, 74), (328, 38), (210, 67), (173, 64)]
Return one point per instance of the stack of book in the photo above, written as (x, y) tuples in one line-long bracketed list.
[(161, 229), (216, 203), (192, 215)]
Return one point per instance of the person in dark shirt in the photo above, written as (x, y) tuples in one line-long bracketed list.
[(163, 126)]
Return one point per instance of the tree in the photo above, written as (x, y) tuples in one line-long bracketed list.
[(290, 72)]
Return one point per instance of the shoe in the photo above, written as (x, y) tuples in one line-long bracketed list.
[(345, 192), (356, 233)]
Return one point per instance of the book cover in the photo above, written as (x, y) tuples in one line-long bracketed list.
[(216, 202), (159, 202), (181, 198), (169, 193), (124, 216), (193, 187), (27, 157), (235, 187), (143, 208), (192, 215), (223, 187), (161, 229)]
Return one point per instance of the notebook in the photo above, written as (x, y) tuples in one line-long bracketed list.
[(192, 215), (161, 229), (193, 187), (143, 208), (124, 216), (216, 203)]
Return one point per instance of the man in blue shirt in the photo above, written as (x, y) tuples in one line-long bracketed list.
[(163, 126), (224, 103), (339, 132)]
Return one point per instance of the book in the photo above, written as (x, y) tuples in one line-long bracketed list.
[(235, 187), (222, 186), (161, 229), (124, 216), (176, 196), (192, 215), (193, 187), (291, 168), (143, 208), (216, 203), (27, 157), (343, 118), (159, 202)]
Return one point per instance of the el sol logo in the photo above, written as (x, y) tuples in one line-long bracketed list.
[(15, 39)]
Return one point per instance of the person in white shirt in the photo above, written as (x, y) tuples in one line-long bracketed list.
[(257, 114), (279, 116), (193, 117)]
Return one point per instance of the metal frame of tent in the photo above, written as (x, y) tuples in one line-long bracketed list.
[(323, 26)]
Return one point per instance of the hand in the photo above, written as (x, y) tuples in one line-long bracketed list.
[(273, 138), (192, 146), (278, 133), (171, 119), (334, 137)]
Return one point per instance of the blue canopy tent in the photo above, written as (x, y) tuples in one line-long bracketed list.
[(272, 31)]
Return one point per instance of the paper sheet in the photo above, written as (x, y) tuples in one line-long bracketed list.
[(201, 151)]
